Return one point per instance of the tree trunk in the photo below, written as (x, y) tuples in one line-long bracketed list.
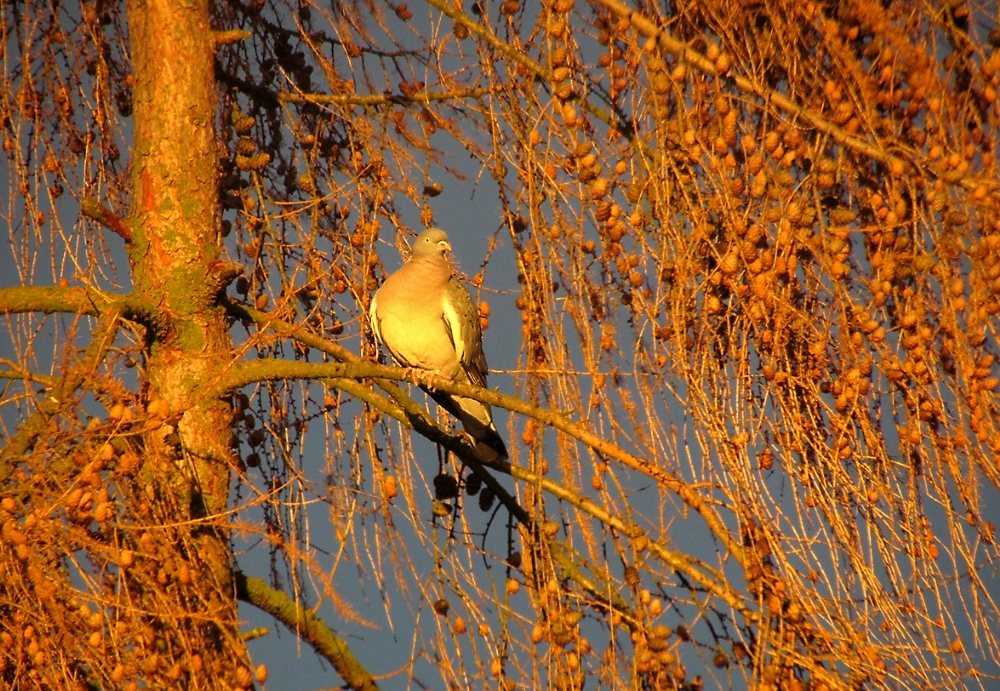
[(173, 254)]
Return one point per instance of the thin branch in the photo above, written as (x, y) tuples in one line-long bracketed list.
[(510, 52), (650, 29), (223, 38), (62, 395), (384, 99)]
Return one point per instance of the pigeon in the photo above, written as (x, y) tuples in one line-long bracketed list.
[(426, 319)]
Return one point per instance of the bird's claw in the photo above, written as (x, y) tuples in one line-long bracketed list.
[(418, 376), (410, 374)]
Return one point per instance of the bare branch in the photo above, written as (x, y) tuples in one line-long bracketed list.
[(93, 209)]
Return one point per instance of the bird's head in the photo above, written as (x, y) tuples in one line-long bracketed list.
[(431, 242)]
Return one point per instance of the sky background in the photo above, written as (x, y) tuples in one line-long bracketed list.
[(469, 211)]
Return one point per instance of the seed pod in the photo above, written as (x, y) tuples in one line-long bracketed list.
[(242, 123), (772, 140), (255, 162), (245, 146), (445, 487), (390, 487), (657, 644), (537, 634), (486, 497), (729, 263), (632, 576)]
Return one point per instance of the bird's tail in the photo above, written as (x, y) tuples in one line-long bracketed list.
[(477, 419)]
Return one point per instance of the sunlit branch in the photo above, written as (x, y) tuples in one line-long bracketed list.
[(53, 300), (647, 27), (417, 419), (604, 447), (511, 53), (384, 99), (401, 407), (79, 301), (16, 373), (62, 396), (312, 629), (246, 373), (223, 38), (93, 209), (268, 320), (535, 67), (698, 571)]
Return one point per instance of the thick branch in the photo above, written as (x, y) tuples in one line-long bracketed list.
[(312, 630), (81, 301), (51, 300), (268, 370), (416, 417), (93, 209)]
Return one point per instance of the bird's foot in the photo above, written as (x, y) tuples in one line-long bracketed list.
[(418, 376), (427, 378), (410, 374)]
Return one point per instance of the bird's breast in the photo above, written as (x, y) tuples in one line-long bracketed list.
[(421, 342)]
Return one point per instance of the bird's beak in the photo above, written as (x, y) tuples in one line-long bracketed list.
[(445, 245)]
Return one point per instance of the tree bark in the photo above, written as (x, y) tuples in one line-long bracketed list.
[(173, 253)]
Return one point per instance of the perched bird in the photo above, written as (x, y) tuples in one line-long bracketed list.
[(426, 319)]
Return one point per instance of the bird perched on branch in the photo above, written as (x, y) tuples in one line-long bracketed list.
[(426, 319)]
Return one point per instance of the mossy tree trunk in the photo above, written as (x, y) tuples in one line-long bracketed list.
[(173, 255)]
